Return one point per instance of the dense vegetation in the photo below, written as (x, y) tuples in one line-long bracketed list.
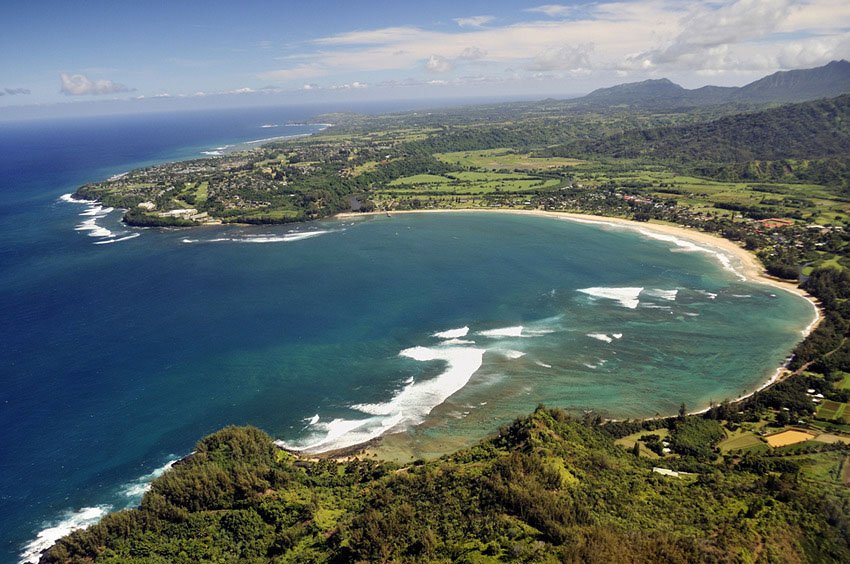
[(547, 489), (801, 131)]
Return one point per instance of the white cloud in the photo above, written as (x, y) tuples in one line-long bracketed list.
[(81, 85), (551, 10), (642, 38), (706, 33), (350, 86), (474, 21), (306, 70), (566, 57), (437, 63), (372, 37), (472, 54)]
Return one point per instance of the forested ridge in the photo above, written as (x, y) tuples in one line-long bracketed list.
[(548, 488), (800, 131)]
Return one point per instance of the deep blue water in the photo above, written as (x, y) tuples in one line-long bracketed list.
[(117, 358)]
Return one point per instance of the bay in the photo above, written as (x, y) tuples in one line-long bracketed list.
[(437, 327)]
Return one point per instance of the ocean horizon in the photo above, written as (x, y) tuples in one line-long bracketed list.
[(125, 346)]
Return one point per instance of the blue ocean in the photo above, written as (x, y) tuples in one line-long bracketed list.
[(121, 347)]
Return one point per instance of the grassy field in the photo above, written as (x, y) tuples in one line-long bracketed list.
[(830, 410), (466, 183), (821, 204), (420, 179), (201, 193), (742, 440), (628, 442), (504, 159)]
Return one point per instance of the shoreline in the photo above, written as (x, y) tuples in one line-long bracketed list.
[(751, 270)]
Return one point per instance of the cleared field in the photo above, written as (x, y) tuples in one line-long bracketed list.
[(830, 410), (741, 441), (628, 442), (824, 467), (504, 159), (418, 179), (821, 204), (789, 437), (368, 166), (467, 183), (845, 471), (829, 438), (201, 193)]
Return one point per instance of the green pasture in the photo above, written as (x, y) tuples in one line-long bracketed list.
[(504, 159)]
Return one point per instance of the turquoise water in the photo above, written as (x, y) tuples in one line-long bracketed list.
[(439, 327)]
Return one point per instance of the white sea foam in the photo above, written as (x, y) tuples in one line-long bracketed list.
[(593, 222), (342, 433), (118, 240), (287, 238), (543, 364), (93, 228), (627, 296), (669, 295), (452, 333), (741, 296), (212, 153), (409, 406), (312, 420), (512, 354), (138, 487), (97, 210), (529, 332), (69, 522), (690, 246), (269, 125), (279, 239), (276, 138), (71, 200), (617, 335), (709, 295), (457, 342), (600, 337), (515, 331)]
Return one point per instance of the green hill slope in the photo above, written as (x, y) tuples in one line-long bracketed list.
[(547, 489), (807, 130)]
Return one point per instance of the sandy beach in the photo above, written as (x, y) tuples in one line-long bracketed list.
[(747, 264)]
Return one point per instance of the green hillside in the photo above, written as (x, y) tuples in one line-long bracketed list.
[(548, 489), (799, 131)]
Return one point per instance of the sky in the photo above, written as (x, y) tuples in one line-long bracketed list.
[(78, 54)]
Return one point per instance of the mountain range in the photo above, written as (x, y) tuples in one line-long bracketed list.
[(801, 85)]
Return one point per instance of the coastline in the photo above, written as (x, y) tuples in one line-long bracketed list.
[(750, 268)]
